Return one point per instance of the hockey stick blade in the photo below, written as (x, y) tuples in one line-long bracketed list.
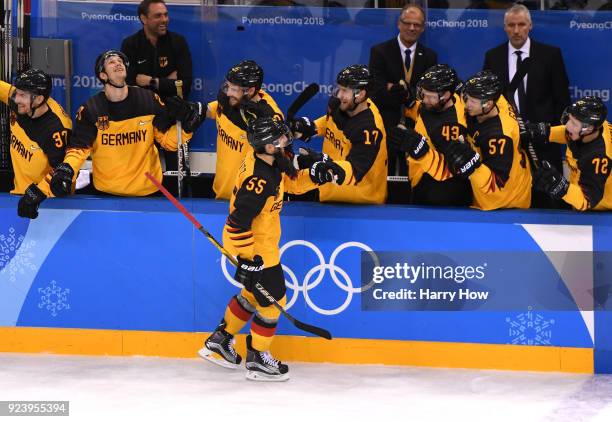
[(305, 96), (298, 324)]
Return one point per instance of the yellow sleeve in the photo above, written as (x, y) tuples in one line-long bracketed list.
[(432, 163), (75, 157), (557, 134), (413, 112), (321, 124), (169, 139), (6, 90), (349, 179), (44, 186), (301, 184), (483, 179), (575, 197), (212, 107)]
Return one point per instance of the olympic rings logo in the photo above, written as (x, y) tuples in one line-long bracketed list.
[(318, 273)]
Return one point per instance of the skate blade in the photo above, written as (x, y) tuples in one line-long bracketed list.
[(261, 377), (213, 357)]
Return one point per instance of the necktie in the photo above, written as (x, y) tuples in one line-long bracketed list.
[(407, 60), (521, 87)]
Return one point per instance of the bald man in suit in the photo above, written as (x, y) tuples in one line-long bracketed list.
[(396, 64)]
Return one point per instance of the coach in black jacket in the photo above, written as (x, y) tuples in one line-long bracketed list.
[(389, 64), (157, 56), (545, 90)]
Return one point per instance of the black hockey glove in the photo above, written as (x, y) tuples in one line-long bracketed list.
[(29, 202), (547, 179), (223, 100), (408, 141), (253, 109), (303, 128), (535, 133), (190, 114), (249, 273), (405, 93), (323, 172), (306, 157), (461, 159), (61, 181), (333, 104)]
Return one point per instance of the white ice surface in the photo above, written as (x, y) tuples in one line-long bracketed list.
[(120, 389)]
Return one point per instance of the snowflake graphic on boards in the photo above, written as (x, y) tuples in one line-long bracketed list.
[(22, 255), (54, 298), (530, 328)]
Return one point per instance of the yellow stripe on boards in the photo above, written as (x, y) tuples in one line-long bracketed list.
[(303, 349)]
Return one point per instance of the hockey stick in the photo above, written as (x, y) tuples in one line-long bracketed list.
[(299, 324), (179, 146), (6, 56), (27, 13), (182, 152), (305, 96)]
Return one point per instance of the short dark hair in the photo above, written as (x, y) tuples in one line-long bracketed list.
[(143, 7)]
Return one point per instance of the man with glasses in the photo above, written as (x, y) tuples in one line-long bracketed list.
[(396, 66)]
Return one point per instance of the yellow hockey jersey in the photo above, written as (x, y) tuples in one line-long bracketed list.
[(232, 143), (37, 145), (121, 136), (504, 178), (590, 164), (433, 184), (359, 145), (253, 225)]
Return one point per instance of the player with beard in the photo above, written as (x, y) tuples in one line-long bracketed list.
[(354, 137), (239, 101), (40, 130), (252, 234), (439, 115)]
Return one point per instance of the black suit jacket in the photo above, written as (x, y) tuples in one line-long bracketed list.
[(386, 66), (547, 83)]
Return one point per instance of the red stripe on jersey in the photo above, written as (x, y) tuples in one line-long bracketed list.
[(242, 236), (244, 246)]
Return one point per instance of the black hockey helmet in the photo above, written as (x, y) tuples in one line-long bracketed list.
[(104, 56), (356, 76), (246, 74), (439, 78), (484, 85), (267, 130), (34, 81), (588, 110)]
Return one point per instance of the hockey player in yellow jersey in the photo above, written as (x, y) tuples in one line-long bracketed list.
[(493, 160), (439, 116), (40, 129), (589, 156), (252, 233), (354, 137), (240, 100), (119, 127)]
